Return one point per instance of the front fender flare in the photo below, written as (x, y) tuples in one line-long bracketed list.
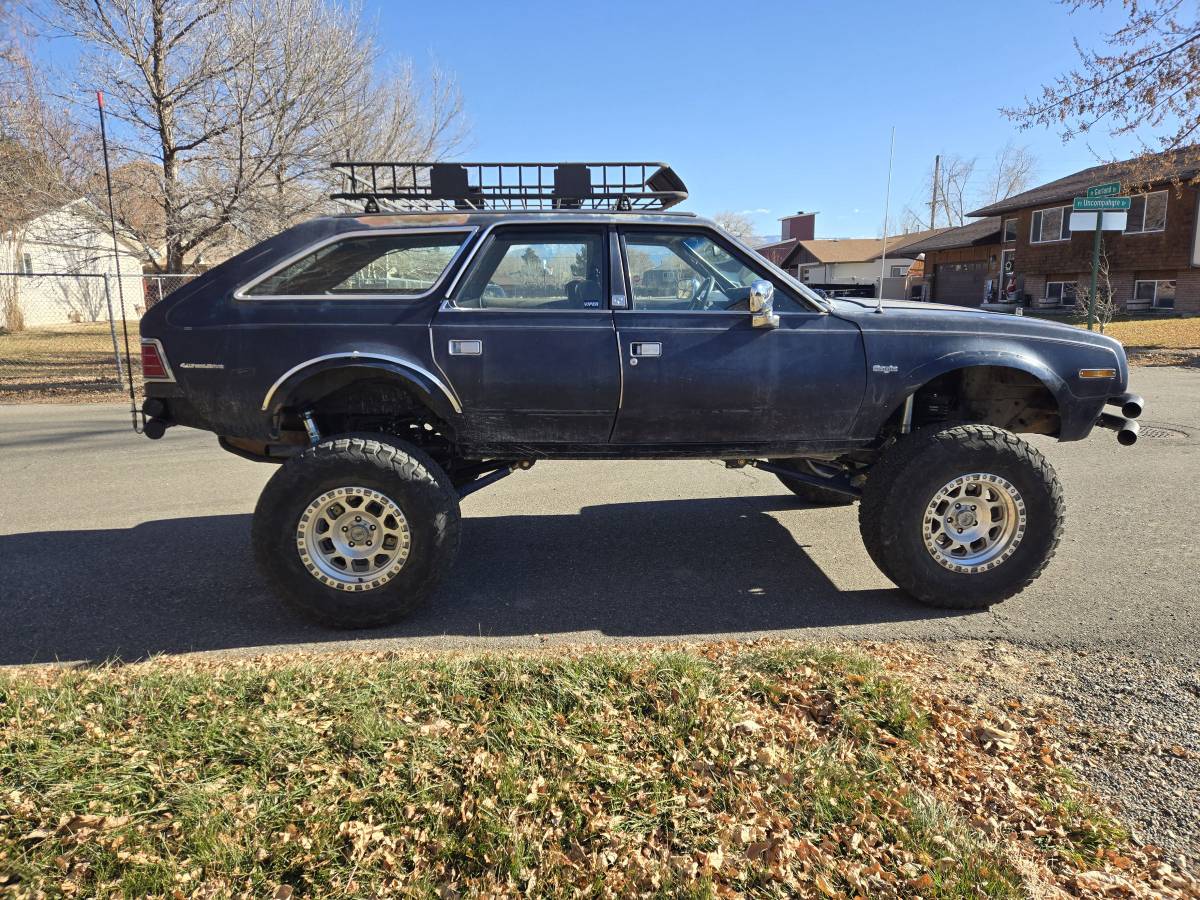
[(890, 395), (429, 387)]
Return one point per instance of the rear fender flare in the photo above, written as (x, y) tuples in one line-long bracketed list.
[(428, 387)]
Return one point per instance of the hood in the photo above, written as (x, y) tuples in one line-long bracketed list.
[(906, 315)]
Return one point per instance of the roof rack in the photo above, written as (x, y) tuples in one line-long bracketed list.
[(440, 186)]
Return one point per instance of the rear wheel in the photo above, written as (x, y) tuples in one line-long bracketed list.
[(964, 517), (357, 531), (809, 493)]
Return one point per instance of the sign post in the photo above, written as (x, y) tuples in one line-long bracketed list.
[(1099, 198)]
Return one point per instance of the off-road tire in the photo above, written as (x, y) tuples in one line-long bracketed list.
[(809, 493), (902, 484), (401, 472)]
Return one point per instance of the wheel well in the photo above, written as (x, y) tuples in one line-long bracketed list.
[(988, 395), (356, 400)]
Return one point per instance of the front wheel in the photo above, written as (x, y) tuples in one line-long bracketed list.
[(356, 531), (962, 518)]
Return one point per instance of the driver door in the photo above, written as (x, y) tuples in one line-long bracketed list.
[(696, 372)]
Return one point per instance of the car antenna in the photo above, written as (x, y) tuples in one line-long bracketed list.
[(887, 199)]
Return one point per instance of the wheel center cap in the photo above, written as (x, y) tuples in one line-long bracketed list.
[(965, 519), (359, 532)]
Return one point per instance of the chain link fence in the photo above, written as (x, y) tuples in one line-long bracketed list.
[(62, 334)]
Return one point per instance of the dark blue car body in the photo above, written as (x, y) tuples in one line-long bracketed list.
[(829, 382)]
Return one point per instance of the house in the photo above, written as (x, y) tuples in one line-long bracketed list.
[(1154, 262), (961, 265), (53, 267), (847, 262), (798, 227)]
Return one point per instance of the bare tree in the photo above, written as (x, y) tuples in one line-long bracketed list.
[(955, 188), (43, 159), (1011, 172), (1146, 78), (963, 185), (737, 224), (1106, 304), (237, 104)]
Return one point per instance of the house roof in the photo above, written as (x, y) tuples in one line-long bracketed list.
[(96, 220), (769, 244), (848, 250), (1182, 163), (983, 231)]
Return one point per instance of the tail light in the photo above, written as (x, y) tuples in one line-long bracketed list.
[(154, 361)]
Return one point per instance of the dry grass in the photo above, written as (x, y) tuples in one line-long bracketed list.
[(764, 770), (1158, 333), (66, 363)]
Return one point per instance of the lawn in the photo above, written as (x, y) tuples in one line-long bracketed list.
[(767, 770), (64, 362), (1158, 341)]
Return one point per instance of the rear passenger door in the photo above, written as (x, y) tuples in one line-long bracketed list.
[(526, 338)]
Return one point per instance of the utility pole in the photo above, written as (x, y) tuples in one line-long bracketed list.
[(937, 174)]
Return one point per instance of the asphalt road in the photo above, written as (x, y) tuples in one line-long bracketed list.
[(113, 545)]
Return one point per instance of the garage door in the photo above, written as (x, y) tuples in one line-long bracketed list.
[(960, 283)]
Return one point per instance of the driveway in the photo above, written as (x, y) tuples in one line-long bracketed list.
[(113, 545)]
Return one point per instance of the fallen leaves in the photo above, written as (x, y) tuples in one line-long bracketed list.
[(717, 770)]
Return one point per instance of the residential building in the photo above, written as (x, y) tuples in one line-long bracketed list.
[(53, 267), (1154, 262), (798, 227), (836, 262), (961, 265)]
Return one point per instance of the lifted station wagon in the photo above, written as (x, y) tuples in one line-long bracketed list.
[(477, 318)]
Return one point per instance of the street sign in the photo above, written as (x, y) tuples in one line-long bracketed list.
[(1105, 190), (1086, 204)]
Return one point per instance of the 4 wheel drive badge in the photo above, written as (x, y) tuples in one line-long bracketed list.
[(885, 370)]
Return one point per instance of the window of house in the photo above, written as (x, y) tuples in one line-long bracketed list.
[(1010, 231), (685, 270), (387, 264), (26, 264), (1062, 293), (1159, 294), (899, 271), (1051, 225), (529, 269), (1147, 212)]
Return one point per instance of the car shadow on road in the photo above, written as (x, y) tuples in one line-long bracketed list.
[(659, 569)]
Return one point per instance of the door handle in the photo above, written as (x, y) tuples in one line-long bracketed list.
[(645, 348), (466, 348)]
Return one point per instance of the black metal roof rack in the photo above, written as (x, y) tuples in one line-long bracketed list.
[(438, 186)]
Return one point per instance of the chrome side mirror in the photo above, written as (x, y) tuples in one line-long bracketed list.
[(762, 305)]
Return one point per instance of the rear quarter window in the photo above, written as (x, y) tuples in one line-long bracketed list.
[(403, 264)]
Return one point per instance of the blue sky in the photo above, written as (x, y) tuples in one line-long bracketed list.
[(762, 107), (759, 106)]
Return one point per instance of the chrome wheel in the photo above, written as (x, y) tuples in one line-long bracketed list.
[(974, 523), (353, 538)]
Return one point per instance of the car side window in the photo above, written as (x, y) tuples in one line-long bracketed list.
[(399, 264), (687, 270), (552, 270)]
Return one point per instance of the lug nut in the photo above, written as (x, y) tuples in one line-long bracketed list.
[(344, 528), (358, 518), (372, 527)]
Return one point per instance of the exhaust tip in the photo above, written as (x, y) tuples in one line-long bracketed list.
[(154, 428), (1128, 435), (1131, 404)]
